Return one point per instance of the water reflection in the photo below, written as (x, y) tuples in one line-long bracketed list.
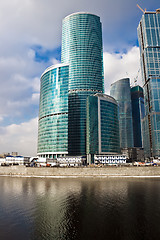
[(35, 208)]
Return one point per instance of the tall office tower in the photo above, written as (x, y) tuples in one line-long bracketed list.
[(53, 112), (120, 90), (137, 98), (82, 50), (149, 41), (102, 125)]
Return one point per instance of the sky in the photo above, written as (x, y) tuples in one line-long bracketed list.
[(30, 41)]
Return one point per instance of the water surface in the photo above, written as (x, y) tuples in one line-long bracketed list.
[(117, 208)]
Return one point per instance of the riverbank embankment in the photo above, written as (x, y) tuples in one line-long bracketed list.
[(23, 171)]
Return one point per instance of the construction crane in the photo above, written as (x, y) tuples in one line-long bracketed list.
[(141, 9), (135, 79)]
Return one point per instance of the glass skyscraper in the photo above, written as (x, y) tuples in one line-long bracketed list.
[(149, 41), (76, 118), (102, 125), (82, 50), (53, 112), (137, 98), (120, 90), (65, 88)]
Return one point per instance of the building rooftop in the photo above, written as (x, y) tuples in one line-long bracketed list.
[(54, 66), (121, 80), (136, 88), (77, 13), (106, 97)]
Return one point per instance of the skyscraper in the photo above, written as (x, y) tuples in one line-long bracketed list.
[(149, 41), (82, 50), (65, 88), (137, 98), (102, 125), (120, 90), (53, 112)]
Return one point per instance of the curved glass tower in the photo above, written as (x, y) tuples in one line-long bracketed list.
[(82, 50), (53, 112), (120, 90)]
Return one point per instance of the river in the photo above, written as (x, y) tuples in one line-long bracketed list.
[(76, 208)]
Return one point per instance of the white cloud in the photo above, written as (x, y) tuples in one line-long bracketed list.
[(36, 84), (39, 22), (20, 83), (121, 65), (1, 118), (54, 61), (31, 54), (24, 26), (36, 23), (20, 138), (35, 98)]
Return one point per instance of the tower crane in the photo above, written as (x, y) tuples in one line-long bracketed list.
[(135, 79), (141, 9)]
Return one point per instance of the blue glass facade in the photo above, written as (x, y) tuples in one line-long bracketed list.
[(53, 111), (82, 50), (120, 90), (137, 98), (77, 122), (102, 125), (149, 41), (92, 144)]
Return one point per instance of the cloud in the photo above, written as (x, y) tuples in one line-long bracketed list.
[(23, 137), (38, 22), (30, 42), (20, 138), (121, 65), (35, 98), (32, 34), (54, 61), (1, 119), (20, 86)]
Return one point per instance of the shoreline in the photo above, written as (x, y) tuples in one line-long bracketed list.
[(75, 177), (81, 172)]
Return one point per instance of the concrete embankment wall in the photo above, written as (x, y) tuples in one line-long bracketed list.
[(80, 172)]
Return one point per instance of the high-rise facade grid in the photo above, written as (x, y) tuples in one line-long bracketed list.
[(66, 87), (53, 111), (120, 90), (137, 99), (149, 41), (82, 50)]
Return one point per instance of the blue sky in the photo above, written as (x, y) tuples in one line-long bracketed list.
[(30, 41)]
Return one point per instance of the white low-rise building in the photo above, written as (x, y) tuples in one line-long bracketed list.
[(14, 160), (110, 159), (70, 161)]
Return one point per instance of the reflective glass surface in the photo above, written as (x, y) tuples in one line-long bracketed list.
[(53, 111), (82, 49), (102, 125), (120, 90), (77, 122), (92, 146), (137, 114), (149, 41), (64, 90), (110, 141)]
